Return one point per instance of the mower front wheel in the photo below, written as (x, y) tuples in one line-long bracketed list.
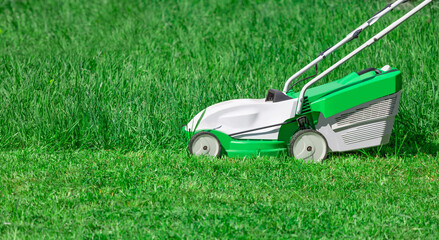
[(205, 144), (308, 145)]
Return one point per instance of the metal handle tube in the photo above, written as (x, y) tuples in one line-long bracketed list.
[(356, 51), (349, 37)]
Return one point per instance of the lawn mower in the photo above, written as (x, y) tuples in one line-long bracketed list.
[(355, 112)]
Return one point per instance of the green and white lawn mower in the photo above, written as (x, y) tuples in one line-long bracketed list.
[(357, 111)]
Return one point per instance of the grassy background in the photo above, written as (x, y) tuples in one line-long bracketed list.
[(127, 74), (81, 77)]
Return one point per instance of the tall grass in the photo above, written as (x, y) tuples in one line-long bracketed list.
[(128, 74)]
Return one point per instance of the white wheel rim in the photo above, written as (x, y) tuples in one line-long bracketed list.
[(310, 146), (205, 144)]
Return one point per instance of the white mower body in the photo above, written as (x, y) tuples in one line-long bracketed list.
[(234, 116)]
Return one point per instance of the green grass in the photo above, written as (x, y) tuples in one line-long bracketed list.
[(100, 194), (78, 78)]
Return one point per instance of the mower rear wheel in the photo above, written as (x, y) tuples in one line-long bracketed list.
[(308, 145), (205, 144)]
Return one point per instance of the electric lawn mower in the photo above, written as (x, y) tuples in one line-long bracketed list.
[(357, 111)]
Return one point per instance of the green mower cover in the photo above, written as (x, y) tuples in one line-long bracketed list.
[(350, 91)]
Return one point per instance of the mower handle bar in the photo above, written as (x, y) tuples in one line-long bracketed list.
[(359, 49), (354, 34)]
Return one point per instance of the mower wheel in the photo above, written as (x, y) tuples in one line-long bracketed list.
[(308, 145), (205, 144)]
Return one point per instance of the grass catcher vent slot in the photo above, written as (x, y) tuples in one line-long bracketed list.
[(374, 111)]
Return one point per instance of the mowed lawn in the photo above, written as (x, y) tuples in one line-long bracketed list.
[(93, 95), (164, 194)]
